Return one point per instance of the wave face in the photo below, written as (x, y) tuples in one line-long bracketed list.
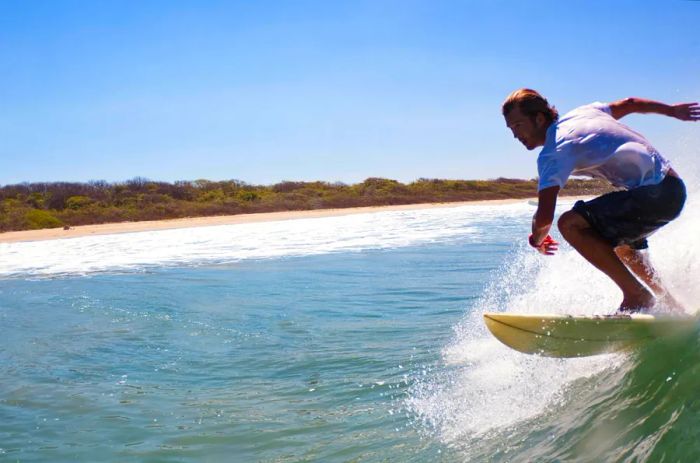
[(490, 403), (641, 407), (234, 243)]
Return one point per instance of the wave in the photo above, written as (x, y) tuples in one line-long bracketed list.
[(641, 407), (490, 403), (234, 243)]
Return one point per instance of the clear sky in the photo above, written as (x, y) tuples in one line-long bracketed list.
[(264, 91)]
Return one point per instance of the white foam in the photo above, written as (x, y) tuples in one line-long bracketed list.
[(231, 243)]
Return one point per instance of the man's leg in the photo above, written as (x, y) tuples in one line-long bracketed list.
[(588, 242), (638, 262)]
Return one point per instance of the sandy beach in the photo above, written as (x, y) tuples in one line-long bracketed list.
[(129, 227)]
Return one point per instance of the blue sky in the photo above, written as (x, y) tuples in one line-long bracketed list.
[(264, 91)]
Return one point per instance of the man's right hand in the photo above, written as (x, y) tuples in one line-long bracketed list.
[(547, 247)]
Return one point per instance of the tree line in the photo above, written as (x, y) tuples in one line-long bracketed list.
[(28, 206)]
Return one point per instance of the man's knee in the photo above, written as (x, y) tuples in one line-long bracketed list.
[(624, 251), (570, 223)]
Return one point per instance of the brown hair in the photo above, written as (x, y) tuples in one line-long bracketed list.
[(530, 103)]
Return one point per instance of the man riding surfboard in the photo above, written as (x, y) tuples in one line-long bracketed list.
[(609, 231)]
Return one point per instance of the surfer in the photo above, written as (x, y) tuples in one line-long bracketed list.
[(609, 231)]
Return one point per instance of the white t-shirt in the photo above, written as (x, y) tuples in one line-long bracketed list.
[(588, 141)]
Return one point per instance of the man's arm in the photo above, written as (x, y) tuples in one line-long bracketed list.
[(542, 221), (682, 111)]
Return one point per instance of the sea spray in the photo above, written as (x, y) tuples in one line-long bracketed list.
[(485, 390)]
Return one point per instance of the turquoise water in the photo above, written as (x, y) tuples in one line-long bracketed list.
[(339, 339)]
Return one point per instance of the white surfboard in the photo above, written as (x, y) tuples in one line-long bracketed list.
[(555, 335)]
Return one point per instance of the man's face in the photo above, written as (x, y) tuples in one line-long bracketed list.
[(529, 131)]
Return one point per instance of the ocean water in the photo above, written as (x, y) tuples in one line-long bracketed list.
[(340, 339)]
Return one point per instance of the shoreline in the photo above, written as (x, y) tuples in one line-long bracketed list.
[(190, 222)]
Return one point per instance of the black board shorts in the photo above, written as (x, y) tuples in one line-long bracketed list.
[(628, 217)]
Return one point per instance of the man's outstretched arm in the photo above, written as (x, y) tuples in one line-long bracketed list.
[(682, 111)]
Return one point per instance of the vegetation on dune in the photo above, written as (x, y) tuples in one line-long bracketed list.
[(29, 206)]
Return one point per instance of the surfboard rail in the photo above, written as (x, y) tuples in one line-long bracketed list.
[(566, 336)]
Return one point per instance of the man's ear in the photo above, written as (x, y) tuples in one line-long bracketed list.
[(540, 120)]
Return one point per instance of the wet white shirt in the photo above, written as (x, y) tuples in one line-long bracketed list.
[(589, 142)]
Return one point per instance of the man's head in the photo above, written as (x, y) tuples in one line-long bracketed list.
[(528, 115)]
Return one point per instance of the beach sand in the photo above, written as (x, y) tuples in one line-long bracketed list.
[(129, 227)]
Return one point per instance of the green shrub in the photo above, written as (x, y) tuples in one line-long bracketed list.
[(11, 203), (36, 200), (216, 195), (248, 195), (37, 219), (77, 202)]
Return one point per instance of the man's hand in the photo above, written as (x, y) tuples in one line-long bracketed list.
[(547, 247), (686, 111)]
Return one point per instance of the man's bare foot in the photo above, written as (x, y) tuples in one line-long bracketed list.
[(637, 303)]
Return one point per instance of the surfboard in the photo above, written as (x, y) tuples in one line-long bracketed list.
[(556, 335)]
